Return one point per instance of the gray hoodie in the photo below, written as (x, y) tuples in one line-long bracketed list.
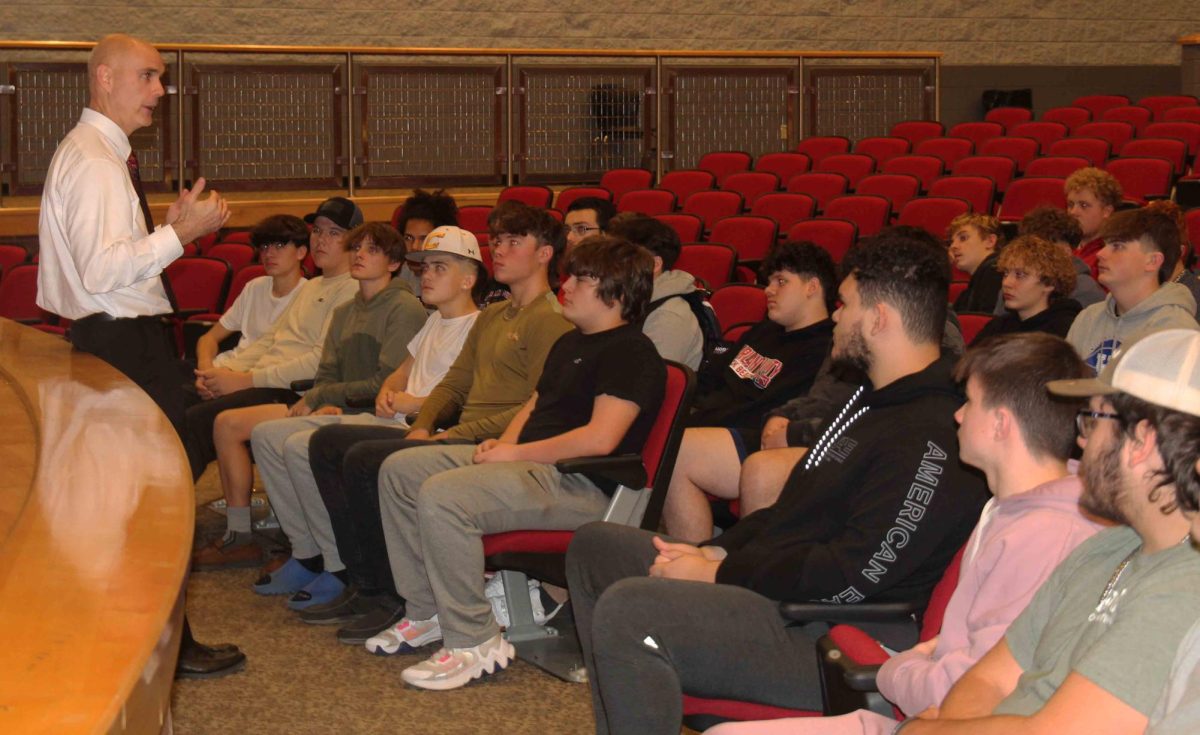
[(1098, 331), (672, 327)]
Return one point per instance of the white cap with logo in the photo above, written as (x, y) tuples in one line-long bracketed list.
[(1162, 368), (448, 239)]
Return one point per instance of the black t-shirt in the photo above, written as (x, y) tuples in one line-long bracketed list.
[(621, 362), (765, 369)]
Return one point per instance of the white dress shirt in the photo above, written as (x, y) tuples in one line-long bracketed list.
[(96, 255)]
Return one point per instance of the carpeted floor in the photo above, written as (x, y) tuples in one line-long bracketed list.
[(300, 680)]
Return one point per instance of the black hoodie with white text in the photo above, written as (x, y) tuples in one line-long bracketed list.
[(876, 510)]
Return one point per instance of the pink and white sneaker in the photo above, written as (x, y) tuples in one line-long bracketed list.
[(405, 637), (450, 668)]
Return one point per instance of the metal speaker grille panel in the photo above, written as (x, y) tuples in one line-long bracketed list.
[(864, 102), (580, 123), (422, 123), (742, 110), (277, 124), (49, 99)]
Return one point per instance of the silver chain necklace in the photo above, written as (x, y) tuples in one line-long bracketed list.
[(1116, 575)]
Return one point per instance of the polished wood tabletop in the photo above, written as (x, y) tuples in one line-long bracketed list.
[(96, 520)]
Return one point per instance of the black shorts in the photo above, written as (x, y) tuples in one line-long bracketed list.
[(746, 441)]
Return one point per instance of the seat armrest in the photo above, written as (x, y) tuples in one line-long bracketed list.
[(622, 469), (859, 677), (863, 612), (300, 386), (184, 314)]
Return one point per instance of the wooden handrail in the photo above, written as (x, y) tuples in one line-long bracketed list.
[(98, 512), (477, 51), (1190, 40)]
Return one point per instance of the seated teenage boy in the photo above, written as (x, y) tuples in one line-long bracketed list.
[(1020, 437), (670, 322), (495, 373), (452, 276), (438, 500), (774, 361), (365, 342), (1091, 653), (289, 351), (876, 511), (282, 244), (1038, 279)]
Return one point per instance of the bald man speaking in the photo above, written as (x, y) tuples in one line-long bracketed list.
[(102, 259)]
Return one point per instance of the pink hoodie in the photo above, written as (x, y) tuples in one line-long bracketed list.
[(1015, 546)]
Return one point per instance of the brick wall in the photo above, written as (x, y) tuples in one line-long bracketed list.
[(968, 32)]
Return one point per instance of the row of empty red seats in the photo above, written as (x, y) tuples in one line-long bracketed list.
[(1096, 107)]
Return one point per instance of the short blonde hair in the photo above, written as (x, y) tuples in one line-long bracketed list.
[(1051, 263), (985, 223), (1098, 181)]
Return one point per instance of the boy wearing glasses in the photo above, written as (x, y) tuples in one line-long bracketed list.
[(264, 370), (366, 341), (585, 217), (282, 243), (1092, 651)]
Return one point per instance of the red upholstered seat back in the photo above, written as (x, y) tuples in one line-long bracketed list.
[(935, 611)]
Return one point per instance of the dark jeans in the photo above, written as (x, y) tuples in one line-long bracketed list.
[(144, 350), (200, 416), (647, 641), (345, 461)]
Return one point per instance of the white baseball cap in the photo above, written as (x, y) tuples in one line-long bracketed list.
[(448, 239), (1162, 368)]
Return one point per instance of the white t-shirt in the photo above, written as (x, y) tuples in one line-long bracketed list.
[(253, 313), (434, 350)]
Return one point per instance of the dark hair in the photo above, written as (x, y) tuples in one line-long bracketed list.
[(603, 208), (911, 232), (804, 259), (280, 228), (1178, 438), (1051, 224), (625, 272), (910, 274), (385, 237), (657, 237), (1012, 370), (438, 208), (1153, 227), (514, 218)]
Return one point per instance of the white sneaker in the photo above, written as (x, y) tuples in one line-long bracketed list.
[(451, 668), (495, 595), (405, 637)]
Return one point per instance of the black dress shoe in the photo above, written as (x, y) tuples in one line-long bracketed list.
[(218, 649), (198, 661), (381, 618), (345, 608)]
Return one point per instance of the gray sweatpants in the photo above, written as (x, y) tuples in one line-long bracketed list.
[(281, 453), (647, 641), (437, 505)]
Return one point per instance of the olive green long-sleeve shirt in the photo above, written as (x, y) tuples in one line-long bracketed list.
[(496, 371)]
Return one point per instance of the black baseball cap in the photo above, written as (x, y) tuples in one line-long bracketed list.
[(340, 210)]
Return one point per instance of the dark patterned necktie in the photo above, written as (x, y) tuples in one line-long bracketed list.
[(135, 176)]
